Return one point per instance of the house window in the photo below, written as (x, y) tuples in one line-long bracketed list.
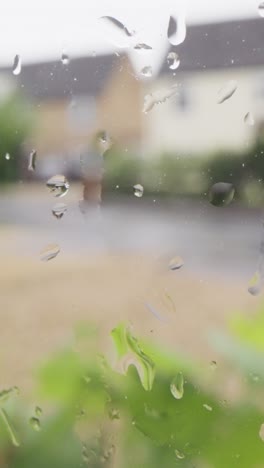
[(81, 112)]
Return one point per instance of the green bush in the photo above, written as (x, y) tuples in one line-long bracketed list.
[(15, 123)]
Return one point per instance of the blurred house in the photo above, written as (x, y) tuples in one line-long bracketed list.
[(192, 121), (72, 101)]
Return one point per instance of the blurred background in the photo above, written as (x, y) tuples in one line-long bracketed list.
[(115, 125)]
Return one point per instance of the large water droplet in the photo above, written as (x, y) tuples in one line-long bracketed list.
[(179, 454), (49, 252), (104, 142), (146, 71), (173, 60), (117, 24), (7, 156), (65, 60), (38, 411), (249, 119), (138, 190), (226, 91), (158, 97), (177, 386), (9, 427), (130, 353), (35, 423), (16, 69), (5, 394), (59, 210), (207, 407), (261, 432), (176, 263), (221, 194), (255, 284), (177, 29), (142, 47), (58, 185), (261, 9), (32, 160)]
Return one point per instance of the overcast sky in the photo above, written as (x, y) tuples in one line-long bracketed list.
[(41, 29)]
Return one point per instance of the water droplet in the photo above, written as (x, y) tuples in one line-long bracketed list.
[(261, 430), (146, 71), (9, 427), (65, 60), (158, 97), (261, 9), (5, 394), (142, 47), (7, 156), (32, 160), (38, 411), (213, 365), (35, 423), (179, 454), (177, 29), (104, 142), (226, 91), (207, 407), (176, 263), (49, 252), (113, 414), (155, 312), (59, 210), (130, 353), (173, 60), (249, 119), (177, 386), (58, 185), (120, 26), (221, 194), (16, 65), (138, 190), (255, 284)]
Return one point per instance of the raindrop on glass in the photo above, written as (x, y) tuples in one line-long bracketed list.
[(7, 156), (38, 411), (207, 407), (213, 365), (261, 9), (261, 432), (176, 29), (58, 185), (177, 386), (221, 194), (49, 252), (65, 59), (146, 71), (113, 414), (158, 97), (104, 142), (173, 60), (59, 210), (249, 119), (142, 47), (35, 423), (9, 427), (138, 190), (32, 160), (226, 91), (16, 69), (120, 26), (179, 454), (5, 394), (255, 284), (176, 263)]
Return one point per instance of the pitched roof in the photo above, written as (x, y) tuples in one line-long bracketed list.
[(85, 75), (221, 45)]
